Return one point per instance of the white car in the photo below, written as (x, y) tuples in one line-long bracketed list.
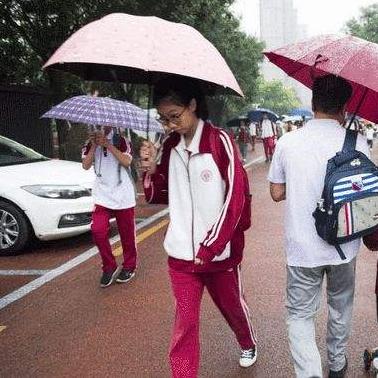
[(48, 199)]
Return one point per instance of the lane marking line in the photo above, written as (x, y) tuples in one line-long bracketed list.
[(144, 235), (257, 160), (49, 276), (2, 328), (138, 220), (28, 272)]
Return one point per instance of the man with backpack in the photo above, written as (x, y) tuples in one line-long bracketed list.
[(298, 175)]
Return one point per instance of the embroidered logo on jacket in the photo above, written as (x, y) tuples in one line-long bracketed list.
[(206, 175)]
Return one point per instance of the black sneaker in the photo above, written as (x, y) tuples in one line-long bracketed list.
[(125, 276), (108, 278), (339, 373)]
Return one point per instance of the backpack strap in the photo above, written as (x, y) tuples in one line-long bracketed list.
[(350, 141), (116, 141), (340, 252)]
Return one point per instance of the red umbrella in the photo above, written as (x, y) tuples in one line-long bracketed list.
[(354, 59), (136, 49)]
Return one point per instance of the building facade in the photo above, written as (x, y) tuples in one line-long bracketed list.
[(279, 26)]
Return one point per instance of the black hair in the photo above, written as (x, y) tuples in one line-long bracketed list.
[(181, 91), (330, 93)]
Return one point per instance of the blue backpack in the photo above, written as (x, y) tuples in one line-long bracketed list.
[(348, 208)]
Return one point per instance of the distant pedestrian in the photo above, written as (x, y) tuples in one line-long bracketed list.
[(232, 133), (243, 139), (268, 135), (114, 196), (279, 129), (297, 175), (289, 126), (253, 133), (201, 175), (369, 135)]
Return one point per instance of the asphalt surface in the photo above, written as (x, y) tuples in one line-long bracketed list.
[(70, 327)]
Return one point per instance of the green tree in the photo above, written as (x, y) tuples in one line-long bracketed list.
[(366, 25), (275, 96), (32, 30)]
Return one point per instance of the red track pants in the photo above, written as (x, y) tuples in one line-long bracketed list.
[(225, 289), (126, 228), (269, 145)]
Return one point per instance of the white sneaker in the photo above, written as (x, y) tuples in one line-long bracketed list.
[(248, 357)]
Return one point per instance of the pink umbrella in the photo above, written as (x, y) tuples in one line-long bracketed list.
[(136, 49), (354, 59)]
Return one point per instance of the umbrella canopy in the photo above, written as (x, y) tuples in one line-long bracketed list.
[(137, 49), (103, 111), (302, 112), (235, 122), (351, 58), (256, 115)]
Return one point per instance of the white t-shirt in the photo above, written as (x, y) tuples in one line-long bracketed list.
[(252, 129), (113, 188), (300, 161), (370, 134), (267, 128)]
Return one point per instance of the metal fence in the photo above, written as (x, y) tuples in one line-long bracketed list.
[(20, 112)]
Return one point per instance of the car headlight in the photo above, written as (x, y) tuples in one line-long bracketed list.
[(58, 191)]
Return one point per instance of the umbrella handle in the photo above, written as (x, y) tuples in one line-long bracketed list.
[(115, 77), (358, 107), (149, 110)]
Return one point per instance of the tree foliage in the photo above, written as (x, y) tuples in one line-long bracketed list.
[(366, 25), (275, 96)]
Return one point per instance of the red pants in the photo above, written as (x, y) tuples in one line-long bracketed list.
[(225, 289), (126, 228), (269, 145)]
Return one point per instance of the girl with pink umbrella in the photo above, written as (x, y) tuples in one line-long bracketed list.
[(200, 173)]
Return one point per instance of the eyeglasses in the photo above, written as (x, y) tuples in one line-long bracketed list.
[(174, 118)]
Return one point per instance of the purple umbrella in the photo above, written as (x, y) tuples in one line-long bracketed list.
[(103, 111)]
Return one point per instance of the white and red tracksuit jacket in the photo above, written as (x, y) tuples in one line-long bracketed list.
[(206, 199)]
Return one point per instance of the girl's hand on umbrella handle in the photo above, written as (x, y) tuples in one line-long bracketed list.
[(147, 155), (148, 151), (150, 148), (102, 140)]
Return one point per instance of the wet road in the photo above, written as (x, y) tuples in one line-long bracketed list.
[(69, 327)]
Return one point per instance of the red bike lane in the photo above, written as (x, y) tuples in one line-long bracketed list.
[(70, 327)]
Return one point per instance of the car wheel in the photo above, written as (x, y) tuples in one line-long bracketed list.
[(14, 229)]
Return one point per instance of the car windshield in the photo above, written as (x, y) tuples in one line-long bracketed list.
[(12, 153)]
